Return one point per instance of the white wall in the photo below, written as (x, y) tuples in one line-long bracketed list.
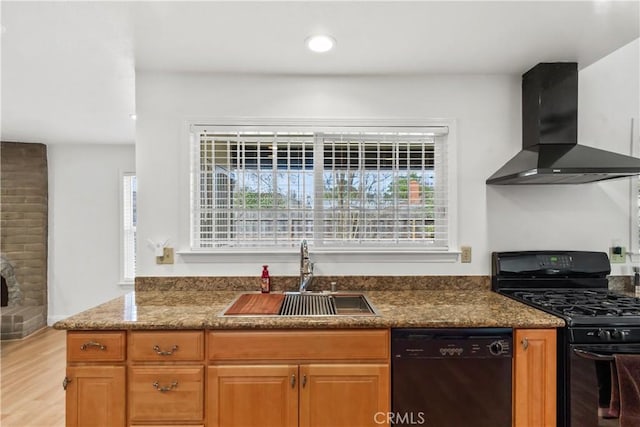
[(84, 225), (590, 216), (485, 108), (487, 112)]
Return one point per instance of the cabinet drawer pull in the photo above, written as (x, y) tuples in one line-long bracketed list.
[(164, 389), (156, 348), (525, 343), (90, 344), (304, 380), (65, 382), (293, 380)]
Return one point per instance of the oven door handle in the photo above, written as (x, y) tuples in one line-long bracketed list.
[(592, 356)]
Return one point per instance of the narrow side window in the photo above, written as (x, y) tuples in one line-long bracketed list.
[(129, 223)]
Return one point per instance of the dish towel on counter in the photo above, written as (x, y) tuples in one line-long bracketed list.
[(628, 370)]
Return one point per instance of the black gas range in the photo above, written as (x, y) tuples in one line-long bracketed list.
[(583, 306), (573, 285)]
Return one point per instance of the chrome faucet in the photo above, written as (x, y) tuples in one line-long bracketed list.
[(306, 267)]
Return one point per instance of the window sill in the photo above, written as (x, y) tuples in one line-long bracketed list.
[(126, 284), (320, 255), (634, 257)]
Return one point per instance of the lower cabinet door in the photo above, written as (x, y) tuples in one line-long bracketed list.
[(535, 378), (95, 396), (344, 395), (252, 396), (166, 393)]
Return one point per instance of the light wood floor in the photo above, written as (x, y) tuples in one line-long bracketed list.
[(32, 374)]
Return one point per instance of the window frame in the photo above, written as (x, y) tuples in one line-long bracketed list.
[(634, 222), (634, 200), (322, 254), (124, 280), (634, 215)]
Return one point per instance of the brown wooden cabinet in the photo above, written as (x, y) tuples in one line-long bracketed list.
[(344, 395), (336, 378), (336, 395), (95, 396), (279, 378), (166, 377), (166, 346), (534, 378), (95, 379), (253, 396), (166, 394)]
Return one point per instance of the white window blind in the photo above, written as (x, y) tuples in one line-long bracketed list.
[(366, 188), (129, 223)]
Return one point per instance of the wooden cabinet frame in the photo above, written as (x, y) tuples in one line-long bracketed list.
[(534, 378), (358, 359)]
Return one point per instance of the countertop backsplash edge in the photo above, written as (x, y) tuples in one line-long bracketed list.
[(320, 283)]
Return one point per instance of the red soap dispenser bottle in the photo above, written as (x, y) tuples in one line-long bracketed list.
[(265, 280)]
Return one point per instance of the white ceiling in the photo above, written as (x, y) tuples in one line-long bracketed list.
[(68, 68)]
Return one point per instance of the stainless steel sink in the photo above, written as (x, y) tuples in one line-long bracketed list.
[(348, 304), (321, 304)]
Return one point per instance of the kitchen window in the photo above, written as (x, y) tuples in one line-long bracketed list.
[(337, 187), (129, 225)]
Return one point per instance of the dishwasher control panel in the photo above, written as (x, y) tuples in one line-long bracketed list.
[(451, 343)]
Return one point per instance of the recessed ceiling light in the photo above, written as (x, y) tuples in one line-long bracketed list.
[(133, 116), (320, 43)]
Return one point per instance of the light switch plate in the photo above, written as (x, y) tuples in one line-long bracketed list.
[(617, 254), (167, 256), (465, 254)]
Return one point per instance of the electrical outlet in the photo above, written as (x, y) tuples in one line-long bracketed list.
[(167, 256), (465, 254), (617, 254)]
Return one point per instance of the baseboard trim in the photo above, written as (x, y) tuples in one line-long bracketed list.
[(53, 319)]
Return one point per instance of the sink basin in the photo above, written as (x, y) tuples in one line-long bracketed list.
[(350, 304), (321, 304), (301, 304)]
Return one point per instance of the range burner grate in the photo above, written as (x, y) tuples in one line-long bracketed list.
[(581, 302)]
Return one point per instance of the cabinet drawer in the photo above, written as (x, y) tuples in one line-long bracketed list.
[(166, 346), (338, 344), (96, 346), (165, 394)]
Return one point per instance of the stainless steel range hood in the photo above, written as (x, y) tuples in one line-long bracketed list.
[(550, 152)]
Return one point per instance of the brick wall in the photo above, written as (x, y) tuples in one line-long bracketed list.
[(23, 217)]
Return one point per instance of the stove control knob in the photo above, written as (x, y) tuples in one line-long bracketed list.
[(619, 335), (604, 335), (496, 348)]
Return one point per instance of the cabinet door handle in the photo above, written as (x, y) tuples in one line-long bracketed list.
[(304, 380), (525, 343), (88, 345), (293, 380), (156, 348), (164, 389), (65, 382)]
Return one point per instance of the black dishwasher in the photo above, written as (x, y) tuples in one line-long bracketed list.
[(451, 377)]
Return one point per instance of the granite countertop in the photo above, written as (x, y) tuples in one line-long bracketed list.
[(200, 309)]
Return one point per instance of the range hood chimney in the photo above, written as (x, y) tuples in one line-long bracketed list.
[(550, 152)]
